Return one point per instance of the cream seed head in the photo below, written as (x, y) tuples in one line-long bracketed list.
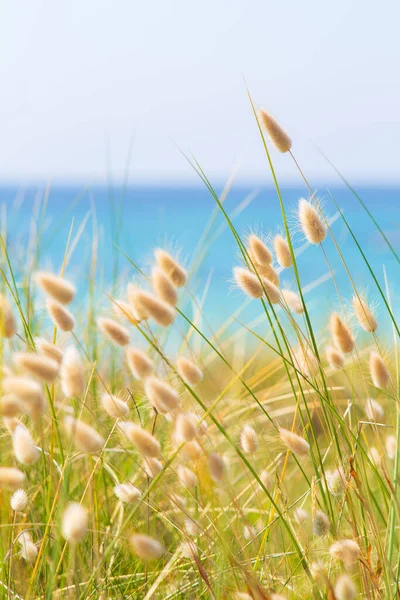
[(379, 372), (7, 321), (276, 134), (374, 456), (40, 366), (144, 441), (300, 515), (293, 301), (163, 286), (152, 467), (271, 292), (306, 361), (72, 373), (19, 500), (311, 223), (267, 272), (294, 442), (345, 588), (248, 282), (46, 348), (114, 406), (171, 267), (216, 467), (334, 357), (11, 478), (24, 447), (28, 391), (190, 373), (159, 310), (116, 332), (187, 477), (161, 395), (85, 438), (74, 523), (191, 450), (364, 315), (336, 482), (259, 251), (266, 478), (321, 524), (186, 427), (139, 363), (126, 492), (341, 334), (391, 446), (318, 571), (60, 315), (11, 406), (249, 440), (124, 310), (29, 550), (55, 286), (374, 410), (282, 252), (242, 596), (145, 547), (347, 551)]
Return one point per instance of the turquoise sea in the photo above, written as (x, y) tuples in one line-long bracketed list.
[(139, 218)]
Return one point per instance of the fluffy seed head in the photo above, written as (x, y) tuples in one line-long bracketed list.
[(259, 251), (300, 515), (364, 315), (126, 311), (189, 372), (139, 363), (60, 315), (379, 372), (28, 391), (29, 550), (10, 477), (186, 428), (391, 446), (46, 348), (374, 410), (294, 442), (311, 223), (266, 478), (321, 524), (216, 467), (293, 301), (334, 357), (11, 406), (276, 134), (267, 272), (347, 551), (374, 456), (41, 366), (146, 443), (24, 447), (151, 306), (145, 547), (19, 500), (152, 467), (163, 286), (161, 395), (345, 588), (85, 438), (72, 373), (282, 251), (191, 450), (114, 406), (249, 440), (74, 523), (336, 482), (171, 267), (318, 571), (116, 332), (126, 492), (271, 292), (341, 334), (7, 320), (306, 361), (186, 476), (57, 287), (248, 282)]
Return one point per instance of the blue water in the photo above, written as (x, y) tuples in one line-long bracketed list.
[(146, 217)]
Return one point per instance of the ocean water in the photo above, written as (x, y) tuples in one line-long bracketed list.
[(138, 219)]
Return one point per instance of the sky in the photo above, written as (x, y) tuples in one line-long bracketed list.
[(82, 82)]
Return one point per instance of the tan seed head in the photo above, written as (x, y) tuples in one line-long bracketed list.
[(145, 547), (25, 450), (74, 523), (171, 267), (11, 478), (248, 282), (190, 373), (341, 334), (60, 315), (276, 134), (258, 251), (41, 366), (379, 372), (85, 438), (311, 223), (334, 357), (7, 321), (249, 440), (364, 315), (126, 492), (139, 363), (294, 442), (114, 406), (55, 286), (72, 373), (116, 332), (282, 252), (46, 348), (151, 306), (144, 441), (163, 286), (161, 395)]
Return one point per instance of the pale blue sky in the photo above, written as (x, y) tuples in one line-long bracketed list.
[(76, 74)]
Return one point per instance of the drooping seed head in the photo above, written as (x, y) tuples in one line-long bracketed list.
[(114, 406), (40, 366), (60, 315), (163, 286), (259, 251), (345, 588), (10, 477), (139, 363), (46, 348), (249, 440), (152, 467), (334, 357), (151, 306), (190, 373), (161, 395), (28, 391), (294, 442), (341, 334), (293, 301), (72, 373), (146, 443), (126, 492), (374, 410), (364, 315), (276, 134), (24, 447), (55, 286), (248, 282), (11, 406), (321, 524), (311, 223), (19, 500), (379, 372), (187, 477), (7, 321), (347, 551), (282, 252), (391, 446), (74, 523), (85, 437), (186, 428), (216, 467), (145, 547), (116, 332), (171, 267)]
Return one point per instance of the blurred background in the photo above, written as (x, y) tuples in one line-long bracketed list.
[(101, 99)]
